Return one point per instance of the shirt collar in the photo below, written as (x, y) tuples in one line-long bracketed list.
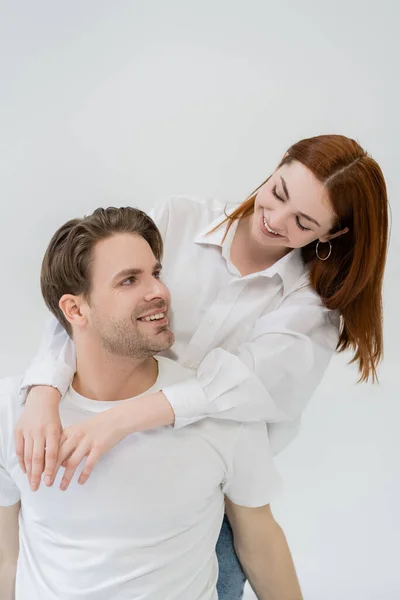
[(291, 268), (209, 236)]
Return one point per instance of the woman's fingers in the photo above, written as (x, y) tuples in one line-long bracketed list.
[(52, 442), (37, 466), (28, 451), (38, 430), (65, 450), (72, 464), (90, 463), (20, 448)]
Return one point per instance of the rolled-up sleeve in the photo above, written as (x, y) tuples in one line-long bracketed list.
[(55, 363), (272, 376)]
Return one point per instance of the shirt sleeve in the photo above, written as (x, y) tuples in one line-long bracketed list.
[(272, 376), (253, 480), (160, 214), (55, 362)]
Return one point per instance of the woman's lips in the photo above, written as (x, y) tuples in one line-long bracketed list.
[(268, 233)]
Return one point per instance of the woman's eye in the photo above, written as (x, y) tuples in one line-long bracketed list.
[(157, 274), (275, 193), (300, 226)]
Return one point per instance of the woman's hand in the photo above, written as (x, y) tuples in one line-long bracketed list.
[(37, 435), (91, 439), (97, 435)]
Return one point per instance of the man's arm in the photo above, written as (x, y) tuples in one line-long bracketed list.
[(9, 548), (263, 552)]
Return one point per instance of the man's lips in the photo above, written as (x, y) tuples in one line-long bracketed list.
[(155, 316)]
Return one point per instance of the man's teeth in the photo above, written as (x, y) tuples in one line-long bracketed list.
[(269, 228), (154, 317)]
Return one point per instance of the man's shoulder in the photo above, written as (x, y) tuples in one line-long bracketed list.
[(233, 439), (9, 388), (10, 402)]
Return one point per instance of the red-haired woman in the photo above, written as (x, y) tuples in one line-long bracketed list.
[(263, 294)]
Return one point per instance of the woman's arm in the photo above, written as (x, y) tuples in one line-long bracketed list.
[(271, 377), (38, 431), (55, 363)]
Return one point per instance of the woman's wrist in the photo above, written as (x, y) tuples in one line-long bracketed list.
[(43, 393), (144, 413)]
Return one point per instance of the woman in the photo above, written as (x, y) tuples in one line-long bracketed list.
[(262, 294)]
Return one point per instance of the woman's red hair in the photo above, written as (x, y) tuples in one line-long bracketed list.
[(350, 281)]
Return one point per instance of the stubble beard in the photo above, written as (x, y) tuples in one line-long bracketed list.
[(124, 339)]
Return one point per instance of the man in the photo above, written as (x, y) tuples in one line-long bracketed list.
[(146, 523)]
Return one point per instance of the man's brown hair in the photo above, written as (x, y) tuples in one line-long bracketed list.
[(66, 266)]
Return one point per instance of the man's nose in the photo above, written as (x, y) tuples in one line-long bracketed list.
[(156, 289)]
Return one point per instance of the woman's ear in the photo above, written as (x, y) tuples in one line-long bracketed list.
[(331, 236)]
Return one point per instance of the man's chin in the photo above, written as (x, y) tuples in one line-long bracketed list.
[(163, 340)]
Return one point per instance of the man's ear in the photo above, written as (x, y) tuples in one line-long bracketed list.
[(332, 236), (74, 309)]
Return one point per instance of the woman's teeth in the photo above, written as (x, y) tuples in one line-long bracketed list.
[(268, 228), (154, 317)]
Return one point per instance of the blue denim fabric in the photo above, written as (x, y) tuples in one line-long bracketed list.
[(231, 578)]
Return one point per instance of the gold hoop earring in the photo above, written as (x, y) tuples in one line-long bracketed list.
[(329, 253)]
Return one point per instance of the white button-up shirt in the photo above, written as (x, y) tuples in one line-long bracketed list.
[(258, 345)]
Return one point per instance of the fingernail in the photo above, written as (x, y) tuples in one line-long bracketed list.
[(47, 480), (34, 487), (63, 486)]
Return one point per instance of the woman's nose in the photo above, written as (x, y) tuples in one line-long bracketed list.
[(277, 221)]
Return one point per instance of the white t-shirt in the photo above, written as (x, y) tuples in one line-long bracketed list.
[(146, 523)]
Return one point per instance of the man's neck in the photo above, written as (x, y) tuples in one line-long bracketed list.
[(104, 376)]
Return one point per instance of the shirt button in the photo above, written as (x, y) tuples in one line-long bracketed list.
[(189, 364), (211, 322)]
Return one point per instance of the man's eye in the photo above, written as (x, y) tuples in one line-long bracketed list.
[(128, 281), (157, 274)]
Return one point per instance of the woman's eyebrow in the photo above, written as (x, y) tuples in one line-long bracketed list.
[(288, 198)]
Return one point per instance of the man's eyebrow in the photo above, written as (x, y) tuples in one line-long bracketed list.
[(129, 272), (288, 198)]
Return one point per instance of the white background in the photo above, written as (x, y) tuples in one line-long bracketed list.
[(128, 102)]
